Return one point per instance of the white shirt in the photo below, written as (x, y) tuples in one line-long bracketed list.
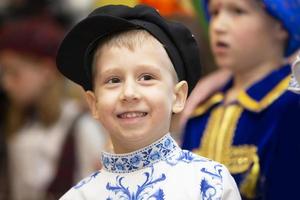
[(161, 171), (34, 152)]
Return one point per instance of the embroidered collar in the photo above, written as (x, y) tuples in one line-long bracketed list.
[(145, 157), (257, 97)]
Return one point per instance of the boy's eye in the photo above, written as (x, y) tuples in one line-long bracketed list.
[(213, 12), (237, 11), (146, 77), (113, 80)]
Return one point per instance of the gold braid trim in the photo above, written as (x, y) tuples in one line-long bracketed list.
[(248, 186), (257, 106), (201, 109)]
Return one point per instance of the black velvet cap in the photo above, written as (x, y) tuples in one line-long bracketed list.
[(74, 57)]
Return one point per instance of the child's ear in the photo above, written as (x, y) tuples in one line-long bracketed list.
[(281, 31), (92, 103), (181, 92)]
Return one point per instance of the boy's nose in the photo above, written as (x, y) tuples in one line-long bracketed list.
[(220, 23), (130, 92)]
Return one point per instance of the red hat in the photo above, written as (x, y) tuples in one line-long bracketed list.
[(34, 36)]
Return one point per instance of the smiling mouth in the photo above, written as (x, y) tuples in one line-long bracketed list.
[(131, 115)]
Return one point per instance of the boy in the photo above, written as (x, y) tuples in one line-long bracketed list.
[(132, 89), (250, 124)]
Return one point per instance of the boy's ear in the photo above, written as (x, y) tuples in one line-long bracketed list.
[(181, 92), (92, 103), (282, 32)]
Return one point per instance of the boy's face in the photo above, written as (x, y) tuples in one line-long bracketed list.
[(242, 33), (135, 94)]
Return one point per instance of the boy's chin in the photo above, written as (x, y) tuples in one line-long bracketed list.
[(129, 144), (136, 137), (225, 66)]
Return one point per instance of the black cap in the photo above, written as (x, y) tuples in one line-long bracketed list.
[(75, 54)]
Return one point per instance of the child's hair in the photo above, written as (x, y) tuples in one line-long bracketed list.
[(129, 39)]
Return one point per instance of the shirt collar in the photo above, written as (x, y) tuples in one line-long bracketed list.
[(258, 96), (145, 157)]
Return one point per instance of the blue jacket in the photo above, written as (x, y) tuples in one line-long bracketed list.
[(257, 137)]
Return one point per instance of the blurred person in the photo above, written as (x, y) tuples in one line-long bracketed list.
[(66, 12), (3, 149), (14, 9), (213, 82), (250, 124), (51, 140)]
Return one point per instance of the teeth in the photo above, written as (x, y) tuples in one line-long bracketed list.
[(132, 115)]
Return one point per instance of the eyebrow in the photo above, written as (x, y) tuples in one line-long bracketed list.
[(142, 67), (149, 67)]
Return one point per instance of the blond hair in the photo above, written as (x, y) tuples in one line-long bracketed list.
[(129, 39)]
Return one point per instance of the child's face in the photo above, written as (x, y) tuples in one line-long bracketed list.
[(23, 78), (135, 94), (242, 34)]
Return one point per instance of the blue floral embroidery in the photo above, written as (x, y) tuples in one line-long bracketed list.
[(105, 161), (154, 156), (119, 166), (87, 180), (122, 192), (135, 160), (207, 190), (186, 157), (216, 174), (140, 159), (159, 195)]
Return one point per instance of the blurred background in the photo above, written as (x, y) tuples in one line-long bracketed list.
[(42, 115)]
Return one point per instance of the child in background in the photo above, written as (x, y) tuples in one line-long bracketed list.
[(52, 142), (250, 124), (133, 65)]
